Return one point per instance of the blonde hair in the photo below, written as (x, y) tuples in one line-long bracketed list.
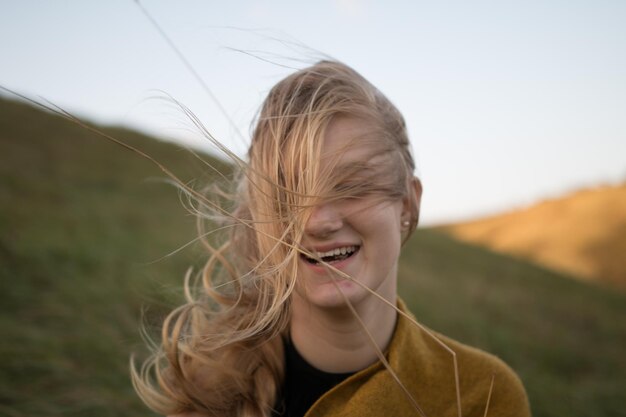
[(221, 352)]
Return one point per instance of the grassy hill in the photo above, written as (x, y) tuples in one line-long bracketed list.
[(81, 221), (583, 234)]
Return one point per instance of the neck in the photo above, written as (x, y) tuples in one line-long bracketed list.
[(334, 340)]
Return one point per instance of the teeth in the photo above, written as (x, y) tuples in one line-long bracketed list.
[(337, 251)]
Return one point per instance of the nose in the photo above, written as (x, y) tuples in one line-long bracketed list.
[(325, 220)]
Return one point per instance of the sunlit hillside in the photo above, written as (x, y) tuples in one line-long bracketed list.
[(582, 234)]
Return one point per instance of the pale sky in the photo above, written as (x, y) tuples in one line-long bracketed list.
[(507, 102)]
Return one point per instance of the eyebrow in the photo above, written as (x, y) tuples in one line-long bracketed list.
[(360, 164), (352, 165)]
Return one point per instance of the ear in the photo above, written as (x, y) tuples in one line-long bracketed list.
[(411, 204)]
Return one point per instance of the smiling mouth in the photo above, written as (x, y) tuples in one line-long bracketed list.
[(335, 255)]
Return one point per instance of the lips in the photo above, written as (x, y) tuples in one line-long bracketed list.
[(333, 255)]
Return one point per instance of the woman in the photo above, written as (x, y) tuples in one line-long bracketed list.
[(298, 311)]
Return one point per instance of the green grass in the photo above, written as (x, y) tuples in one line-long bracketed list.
[(564, 338), (81, 220)]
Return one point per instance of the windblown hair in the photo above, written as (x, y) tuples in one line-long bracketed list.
[(221, 352)]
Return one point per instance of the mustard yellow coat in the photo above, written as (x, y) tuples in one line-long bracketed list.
[(426, 370)]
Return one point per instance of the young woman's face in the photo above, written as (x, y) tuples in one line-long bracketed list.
[(359, 236)]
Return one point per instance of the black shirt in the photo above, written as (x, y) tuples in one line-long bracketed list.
[(304, 384)]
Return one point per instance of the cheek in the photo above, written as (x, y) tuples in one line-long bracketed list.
[(382, 217), (380, 228)]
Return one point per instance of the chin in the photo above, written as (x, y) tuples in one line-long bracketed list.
[(328, 295)]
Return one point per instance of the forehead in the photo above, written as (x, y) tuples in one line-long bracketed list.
[(347, 140)]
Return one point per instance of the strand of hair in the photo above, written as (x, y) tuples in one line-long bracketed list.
[(379, 353)]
